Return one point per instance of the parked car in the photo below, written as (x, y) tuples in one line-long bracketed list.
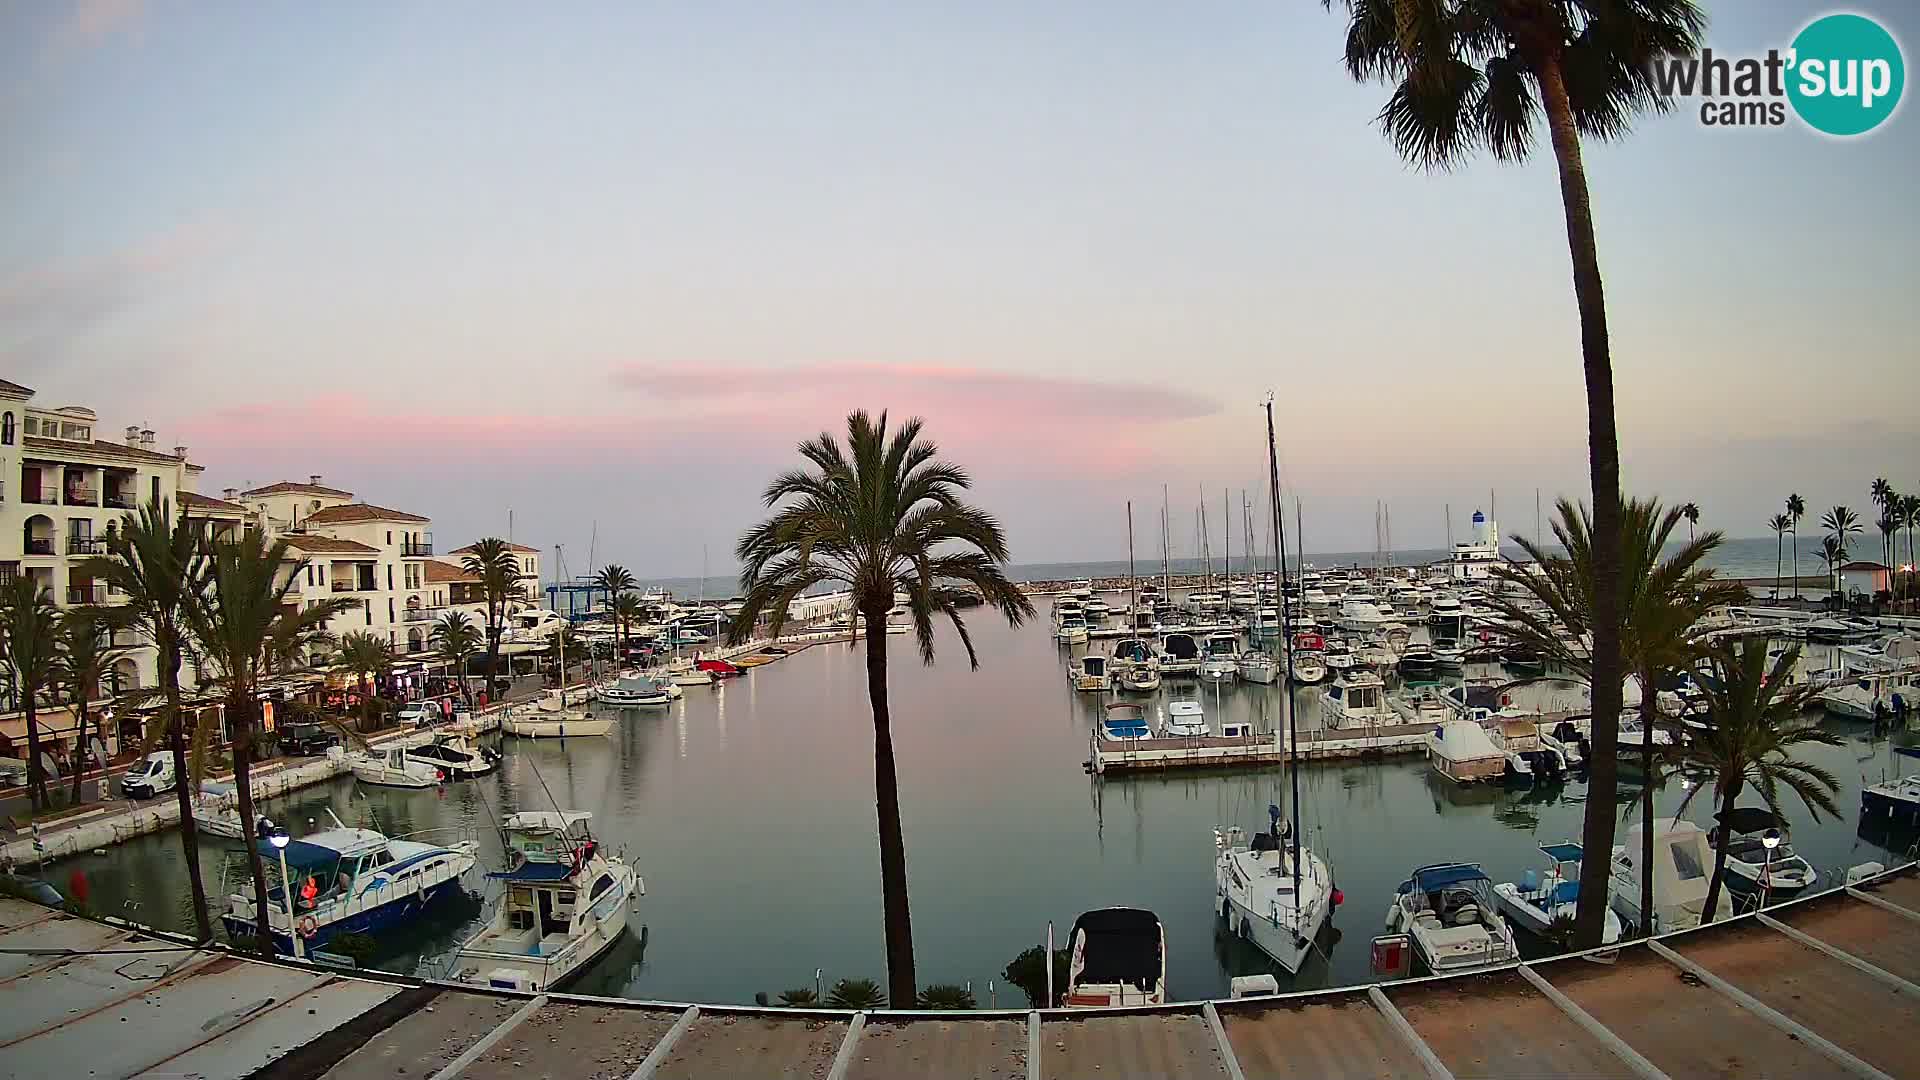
[(150, 777), (307, 740)]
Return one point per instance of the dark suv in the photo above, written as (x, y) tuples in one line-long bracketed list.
[(307, 740)]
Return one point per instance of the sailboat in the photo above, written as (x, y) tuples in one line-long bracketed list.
[(1274, 892)]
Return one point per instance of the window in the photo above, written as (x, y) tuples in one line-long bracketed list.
[(389, 581), (156, 491), (382, 858), (33, 426), (605, 883), (1685, 863), (6, 429)]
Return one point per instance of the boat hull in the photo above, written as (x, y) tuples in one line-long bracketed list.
[(387, 916), (1879, 806), (532, 728)]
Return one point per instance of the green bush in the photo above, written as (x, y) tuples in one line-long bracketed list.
[(802, 998), (946, 996), (857, 994)]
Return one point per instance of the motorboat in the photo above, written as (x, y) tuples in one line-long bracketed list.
[(1338, 656), (1752, 869), (1179, 655), (723, 669), (1256, 891), (1306, 658), (1523, 661), (1565, 739), (1896, 800), (684, 672), (1185, 719), (1265, 624), (1081, 590), (564, 903), (1682, 867), (1419, 705), (1141, 677), (1116, 957), (1448, 655), (1417, 660), (1450, 914), (1463, 752), (1125, 722), (1516, 734), (633, 691), (1088, 674), (393, 766), (530, 630), (1543, 902), (1872, 696), (1259, 667), (1355, 699), (1361, 615), (1221, 659), (1097, 612), (549, 718), (347, 881), (1070, 628), (216, 811), (454, 755)]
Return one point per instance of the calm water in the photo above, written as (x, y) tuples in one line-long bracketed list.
[(748, 809)]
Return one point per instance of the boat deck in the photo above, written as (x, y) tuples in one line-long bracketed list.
[(1823, 986)]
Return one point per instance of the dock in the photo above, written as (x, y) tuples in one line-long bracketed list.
[(1827, 985), (1218, 752)]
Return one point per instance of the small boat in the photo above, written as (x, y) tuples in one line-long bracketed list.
[(1896, 800), (348, 881), (1221, 659), (1116, 957), (1306, 658), (1517, 735), (1355, 699), (1125, 722), (1259, 667), (722, 669), (1752, 870), (1255, 892), (393, 767), (632, 691), (1265, 624), (1449, 913), (1071, 628), (1523, 661), (1540, 899), (216, 811), (1338, 656), (1185, 719), (1871, 696), (1089, 675), (1179, 655), (1097, 612), (565, 904), (549, 719), (455, 756), (1683, 863), (1417, 660), (1141, 677), (1420, 705), (1448, 655), (683, 672), (1461, 751)]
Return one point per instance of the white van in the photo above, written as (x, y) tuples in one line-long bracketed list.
[(153, 776)]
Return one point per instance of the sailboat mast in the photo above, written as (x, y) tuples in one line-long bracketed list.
[(1286, 630), (1166, 541), (1133, 581)]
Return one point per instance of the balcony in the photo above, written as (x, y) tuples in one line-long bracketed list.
[(40, 498), (86, 594), (353, 586), (119, 501), (80, 496), (421, 547), (86, 545), (422, 614), (37, 546)]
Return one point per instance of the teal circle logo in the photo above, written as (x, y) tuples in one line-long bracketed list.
[(1847, 74)]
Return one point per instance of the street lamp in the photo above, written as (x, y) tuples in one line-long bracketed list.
[(279, 839), (1769, 840)]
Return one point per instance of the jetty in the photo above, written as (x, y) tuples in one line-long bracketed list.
[(1826, 985), (1107, 756)]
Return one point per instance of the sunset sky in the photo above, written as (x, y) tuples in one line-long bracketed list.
[(608, 266)]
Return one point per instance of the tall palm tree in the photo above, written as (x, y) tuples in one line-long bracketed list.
[(1779, 523), (1889, 526), (457, 639), (1882, 493), (86, 654), (1796, 509), (1691, 512), (1755, 723), (626, 610), (1472, 74), (156, 559), (1841, 523), (364, 656), (1663, 598), (1910, 516), (28, 631), (239, 622), (1832, 553), (614, 580), (879, 514), (493, 562)]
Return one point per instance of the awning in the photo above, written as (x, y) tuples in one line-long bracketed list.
[(301, 855), (1430, 878), (1563, 852)]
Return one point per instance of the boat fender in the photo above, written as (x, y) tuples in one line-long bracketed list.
[(1339, 898), (308, 926)]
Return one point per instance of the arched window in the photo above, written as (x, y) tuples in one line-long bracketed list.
[(6, 430)]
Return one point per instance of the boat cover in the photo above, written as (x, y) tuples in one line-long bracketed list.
[(300, 854), (1122, 945), (1563, 852), (1749, 819), (1435, 878)]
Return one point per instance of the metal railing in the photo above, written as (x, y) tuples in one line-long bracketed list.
[(37, 546), (422, 614), (422, 546), (41, 498), (86, 545)]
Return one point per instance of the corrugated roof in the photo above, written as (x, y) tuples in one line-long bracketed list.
[(468, 550), (357, 512), (330, 546), (288, 487)]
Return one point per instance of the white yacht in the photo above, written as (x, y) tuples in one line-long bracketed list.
[(549, 718), (1070, 626), (454, 755), (393, 766), (1893, 801), (1751, 870), (1361, 614), (1870, 696), (1543, 897), (1081, 590), (1116, 957), (1450, 914), (1185, 719), (633, 691), (565, 903), (1461, 751), (1141, 677), (530, 630), (1256, 892), (1088, 674), (1179, 655), (1097, 612), (216, 811), (1220, 661), (1265, 625), (1683, 865), (1259, 667), (1355, 699)]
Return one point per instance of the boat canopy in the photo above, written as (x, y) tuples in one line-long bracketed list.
[(1435, 878), (535, 871), (1750, 819), (1563, 853), (546, 820), (301, 856), (1119, 945), (1125, 728)]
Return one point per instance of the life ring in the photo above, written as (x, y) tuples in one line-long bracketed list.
[(308, 926)]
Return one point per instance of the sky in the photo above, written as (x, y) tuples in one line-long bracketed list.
[(602, 267)]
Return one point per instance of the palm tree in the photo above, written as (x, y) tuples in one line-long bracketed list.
[(1691, 512), (626, 610), (1910, 516), (457, 639), (1833, 553), (156, 559), (1796, 509), (492, 561), (85, 656), (1755, 722), (27, 628), (1466, 75), (878, 515), (1889, 526), (240, 622), (1779, 523), (614, 579), (1882, 493), (1840, 523), (1663, 600), (365, 656)]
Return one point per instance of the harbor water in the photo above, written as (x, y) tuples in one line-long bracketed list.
[(748, 809)]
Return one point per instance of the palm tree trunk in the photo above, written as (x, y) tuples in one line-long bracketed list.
[(1649, 712), (36, 776), (240, 707), (902, 985), (1720, 851), (1777, 541), (1796, 563), (79, 744), (176, 743), (1604, 466)]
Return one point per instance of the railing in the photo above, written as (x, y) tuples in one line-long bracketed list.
[(343, 586), (417, 547), (41, 498), (86, 545), (122, 502), (86, 594), (39, 547), (422, 614), (353, 586)]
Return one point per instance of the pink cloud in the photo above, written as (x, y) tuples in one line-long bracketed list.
[(90, 22)]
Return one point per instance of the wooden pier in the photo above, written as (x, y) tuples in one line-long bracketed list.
[(1218, 752)]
